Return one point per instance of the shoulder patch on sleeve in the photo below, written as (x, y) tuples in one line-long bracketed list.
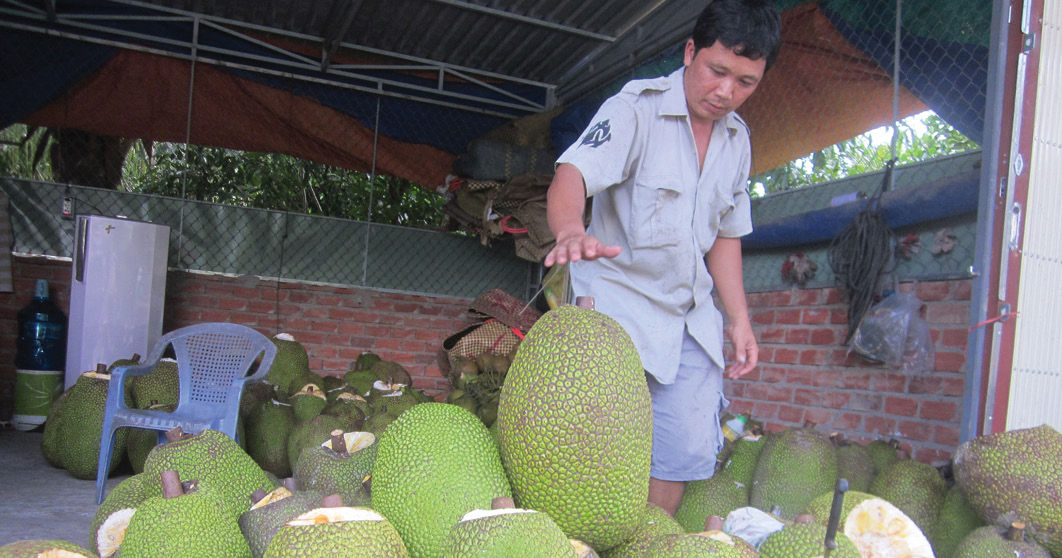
[(638, 86), (739, 121)]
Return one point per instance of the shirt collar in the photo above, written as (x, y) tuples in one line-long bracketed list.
[(674, 102)]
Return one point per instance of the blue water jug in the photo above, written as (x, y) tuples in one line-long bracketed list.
[(41, 333)]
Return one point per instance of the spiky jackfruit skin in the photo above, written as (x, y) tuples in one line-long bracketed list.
[(129, 493), (260, 525), (349, 539), (307, 404), (216, 460), (1017, 472), (956, 520), (718, 495), (990, 542), (655, 523), (575, 425), (434, 464), (526, 534), (719, 545), (190, 526), (916, 488), (139, 443), (307, 434), (161, 386), (81, 426), (320, 468), (795, 466), (267, 429), (855, 465), (32, 548), (819, 507), (290, 364), (741, 464), (50, 438), (882, 453), (805, 540)]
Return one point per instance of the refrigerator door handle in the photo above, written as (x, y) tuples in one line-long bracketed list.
[(80, 241)]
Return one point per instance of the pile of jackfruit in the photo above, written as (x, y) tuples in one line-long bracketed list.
[(563, 471)]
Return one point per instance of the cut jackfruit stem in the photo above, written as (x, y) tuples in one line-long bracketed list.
[(339, 444), (174, 434), (171, 484), (1016, 531), (332, 501), (502, 502), (101, 368), (585, 302)]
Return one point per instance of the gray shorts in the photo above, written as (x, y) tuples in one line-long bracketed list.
[(686, 433)]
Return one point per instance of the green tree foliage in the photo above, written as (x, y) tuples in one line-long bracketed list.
[(921, 137)]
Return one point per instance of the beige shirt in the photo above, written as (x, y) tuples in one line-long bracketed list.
[(639, 161)]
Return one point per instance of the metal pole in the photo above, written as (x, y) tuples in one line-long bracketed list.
[(372, 187)]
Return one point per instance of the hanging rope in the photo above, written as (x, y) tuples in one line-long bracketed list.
[(861, 256)]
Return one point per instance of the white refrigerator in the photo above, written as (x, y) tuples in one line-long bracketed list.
[(117, 291)]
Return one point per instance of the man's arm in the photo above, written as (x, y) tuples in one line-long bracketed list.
[(565, 205), (724, 264)]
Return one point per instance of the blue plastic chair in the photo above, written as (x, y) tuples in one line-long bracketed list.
[(212, 362)]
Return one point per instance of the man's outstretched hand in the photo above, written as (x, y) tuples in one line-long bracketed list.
[(578, 246)]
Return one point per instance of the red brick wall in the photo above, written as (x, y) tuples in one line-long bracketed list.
[(806, 374), (335, 324)]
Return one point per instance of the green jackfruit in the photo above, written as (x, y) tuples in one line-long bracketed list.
[(795, 466), (956, 520), (253, 394), (805, 540), (34, 548), (161, 386), (266, 516), (81, 425), (434, 464), (993, 541), (349, 408), (574, 425), (855, 464), (213, 459), (267, 431), (508, 532), (365, 361), (308, 402), (1016, 474), (291, 363), (718, 495), (360, 381), (883, 453), (655, 522), (324, 469), (391, 373), (126, 495), (50, 439), (350, 532), (706, 543), (741, 464), (310, 433), (916, 488), (187, 525)]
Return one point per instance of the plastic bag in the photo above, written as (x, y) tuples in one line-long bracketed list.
[(894, 332), (752, 524)]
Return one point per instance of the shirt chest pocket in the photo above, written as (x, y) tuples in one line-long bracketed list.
[(658, 215)]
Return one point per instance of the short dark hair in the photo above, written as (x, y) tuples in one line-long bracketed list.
[(752, 28)]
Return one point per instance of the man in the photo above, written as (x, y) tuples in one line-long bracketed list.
[(667, 162)]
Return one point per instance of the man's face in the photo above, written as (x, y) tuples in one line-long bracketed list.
[(717, 81)]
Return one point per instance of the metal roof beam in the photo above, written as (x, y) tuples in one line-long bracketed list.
[(527, 19), (334, 34)]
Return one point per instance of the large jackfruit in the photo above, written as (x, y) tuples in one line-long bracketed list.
[(805, 540), (161, 386), (339, 470), (327, 532), (655, 523), (956, 520), (31, 548), (508, 532), (268, 426), (290, 366), (795, 466), (916, 488), (1017, 474), (718, 495), (854, 464), (266, 516), (994, 541), (575, 426), (81, 424), (434, 464)]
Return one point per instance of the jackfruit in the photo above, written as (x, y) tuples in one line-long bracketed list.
[(212, 458), (795, 466), (883, 453), (880, 530), (126, 495), (574, 426), (161, 386), (741, 463), (334, 470), (350, 408), (718, 495), (308, 402), (956, 520), (994, 541), (360, 381), (267, 431), (184, 522), (38, 548), (916, 488), (434, 464), (255, 393), (713, 543), (819, 507), (391, 373), (290, 364), (854, 464), (50, 438), (337, 531), (310, 433), (1016, 474), (805, 540), (266, 516), (81, 425), (507, 532), (655, 522), (366, 360)]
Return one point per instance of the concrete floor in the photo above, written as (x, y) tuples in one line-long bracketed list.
[(38, 501)]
